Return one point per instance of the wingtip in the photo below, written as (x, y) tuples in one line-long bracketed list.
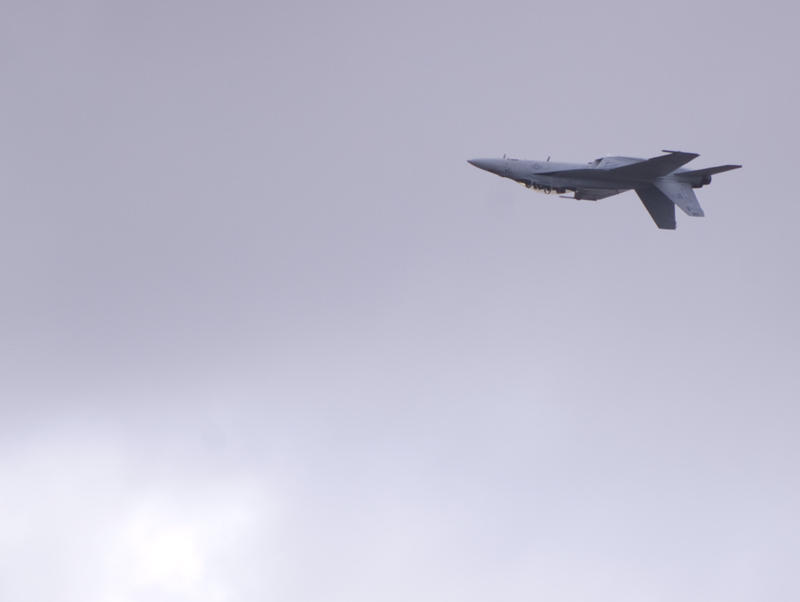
[(680, 152)]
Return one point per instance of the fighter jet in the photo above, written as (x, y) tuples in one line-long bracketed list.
[(660, 182)]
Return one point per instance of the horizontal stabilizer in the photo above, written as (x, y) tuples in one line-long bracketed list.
[(708, 171)]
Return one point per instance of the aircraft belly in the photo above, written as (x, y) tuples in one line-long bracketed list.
[(583, 189), (599, 184)]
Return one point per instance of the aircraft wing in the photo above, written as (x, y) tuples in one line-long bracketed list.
[(643, 171), (656, 167), (658, 205), (682, 195)]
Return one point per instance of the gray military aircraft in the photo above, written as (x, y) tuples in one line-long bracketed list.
[(660, 182)]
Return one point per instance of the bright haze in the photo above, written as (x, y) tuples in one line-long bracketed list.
[(266, 335)]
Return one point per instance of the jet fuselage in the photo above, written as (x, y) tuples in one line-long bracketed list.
[(660, 182), (538, 174)]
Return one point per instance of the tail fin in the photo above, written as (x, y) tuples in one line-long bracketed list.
[(700, 177)]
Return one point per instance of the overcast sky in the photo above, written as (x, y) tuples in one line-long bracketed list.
[(265, 334)]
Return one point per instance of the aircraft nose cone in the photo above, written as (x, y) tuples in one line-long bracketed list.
[(491, 165)]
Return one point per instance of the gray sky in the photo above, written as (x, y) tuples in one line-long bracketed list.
[(265, 334)]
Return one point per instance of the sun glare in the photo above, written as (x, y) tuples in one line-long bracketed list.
[(175, 546), (165, 552)]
